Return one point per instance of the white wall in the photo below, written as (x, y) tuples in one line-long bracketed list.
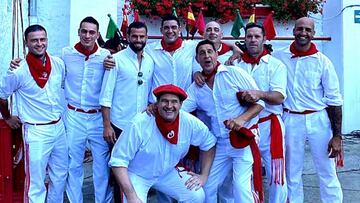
[(98, 9), (6, 12), (344, 51)]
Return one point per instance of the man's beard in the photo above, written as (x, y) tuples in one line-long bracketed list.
[(136, 49)]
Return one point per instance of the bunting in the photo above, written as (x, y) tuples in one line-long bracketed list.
[(238, 24), (190, 21), (252, 18), (124, 23), (200, 24), (136, 15), (111, 28), (269, 27)]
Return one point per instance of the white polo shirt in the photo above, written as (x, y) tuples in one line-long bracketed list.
[(269, 75), (120, 89), (221, 103), (144, 151), (312, 83), (35, 104), (83, 78)]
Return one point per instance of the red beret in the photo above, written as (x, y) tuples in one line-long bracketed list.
[(241, 138), (172, 89)]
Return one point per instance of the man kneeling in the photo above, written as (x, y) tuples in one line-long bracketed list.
[(148, 150)]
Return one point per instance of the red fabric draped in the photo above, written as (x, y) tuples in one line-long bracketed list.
[(296, 53), (169, 130), (249, 59), (38, 70), (80, 48), (171, 47)]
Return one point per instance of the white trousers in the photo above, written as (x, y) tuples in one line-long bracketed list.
[(46, 150), (172, 184), (227, 158), (277, 192), (82, 128), (316, 129)]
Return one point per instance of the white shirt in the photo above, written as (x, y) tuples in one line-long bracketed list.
[(83, 78), (35, 104), (270, 75), (174, 69), (312, 83), (120, 89), (221, 103), (224, 57), (144, 151)]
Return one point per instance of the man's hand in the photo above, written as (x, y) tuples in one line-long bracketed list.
[(251, 96), (151, 109), (109, 135), (109, 62), (13, 122), (15, 63), (236, 55), (235, 124), (334, 146), (195, 181), (199, 78)]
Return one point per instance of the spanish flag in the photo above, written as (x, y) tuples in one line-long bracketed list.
[(190, 20)]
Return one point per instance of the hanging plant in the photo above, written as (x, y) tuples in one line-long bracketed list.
[(224, 10)]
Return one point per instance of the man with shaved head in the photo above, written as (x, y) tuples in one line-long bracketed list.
[(312, 111)]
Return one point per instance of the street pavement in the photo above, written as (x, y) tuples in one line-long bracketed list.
[(349, 175)]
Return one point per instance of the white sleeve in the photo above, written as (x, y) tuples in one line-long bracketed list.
[(108, 87), (330, 83), (201, 135), (126, 147), (190, 104)]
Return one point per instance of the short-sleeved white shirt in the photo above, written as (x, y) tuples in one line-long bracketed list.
[(83, 78), (221, 103), (35, 104), (120, 89), (144, 151), (312, 83)]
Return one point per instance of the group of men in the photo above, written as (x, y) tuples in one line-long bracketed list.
[(267, 104)]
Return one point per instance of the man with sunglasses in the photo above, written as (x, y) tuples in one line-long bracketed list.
[(126, 87)]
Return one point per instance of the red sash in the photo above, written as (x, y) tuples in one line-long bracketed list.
[(276, 149)]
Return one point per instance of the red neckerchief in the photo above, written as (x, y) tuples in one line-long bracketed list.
[(276, 150), (38, 71), (171, 47), (168, 130), (296, 53), (224, 48), (80, 48), (249, 59), (212, 74)]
